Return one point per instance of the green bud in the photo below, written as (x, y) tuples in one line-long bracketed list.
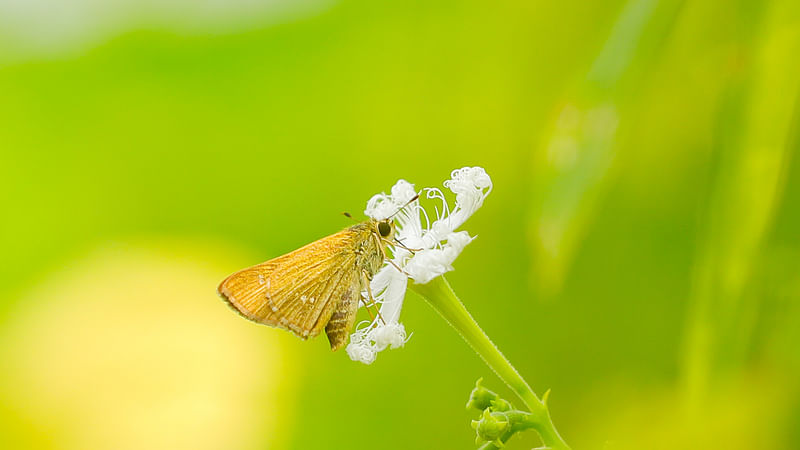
[(501, 405), (490, 427), (481, 398)]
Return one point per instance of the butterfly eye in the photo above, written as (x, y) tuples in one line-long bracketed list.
[(384, 229)]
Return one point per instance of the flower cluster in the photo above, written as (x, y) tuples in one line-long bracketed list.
[(426, 252)]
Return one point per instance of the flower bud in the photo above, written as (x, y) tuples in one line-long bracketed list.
[(480, 397), (490, 427)]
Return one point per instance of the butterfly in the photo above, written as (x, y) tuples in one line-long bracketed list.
[(314, 287)]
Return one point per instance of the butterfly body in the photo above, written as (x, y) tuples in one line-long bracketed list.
[(314, 287)]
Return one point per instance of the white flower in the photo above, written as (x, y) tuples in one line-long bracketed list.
[(435, 246)]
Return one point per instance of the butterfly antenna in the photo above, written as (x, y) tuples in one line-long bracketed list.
[(347, 214), (404, 206)]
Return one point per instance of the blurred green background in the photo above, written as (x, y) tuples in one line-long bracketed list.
[(639, 254)]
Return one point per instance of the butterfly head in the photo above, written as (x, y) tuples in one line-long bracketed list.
[(385, 228)]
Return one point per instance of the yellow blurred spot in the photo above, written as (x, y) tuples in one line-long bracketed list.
[(130, 349)]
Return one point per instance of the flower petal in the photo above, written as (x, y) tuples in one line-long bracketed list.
[(436, 246)]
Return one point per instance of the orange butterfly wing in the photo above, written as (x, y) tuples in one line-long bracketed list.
[(301, 290)]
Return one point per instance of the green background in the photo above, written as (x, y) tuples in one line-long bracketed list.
[(639, 254)]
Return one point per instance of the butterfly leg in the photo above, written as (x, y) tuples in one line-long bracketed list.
[(366, 279), (369, 311), (386, 258), (400, 243), (398, 268)]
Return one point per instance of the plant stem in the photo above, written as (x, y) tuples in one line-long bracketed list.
[(441, 297)]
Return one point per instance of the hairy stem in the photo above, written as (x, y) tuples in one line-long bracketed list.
[(441, 297)]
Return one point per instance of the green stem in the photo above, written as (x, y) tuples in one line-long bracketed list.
[(441, 297)]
